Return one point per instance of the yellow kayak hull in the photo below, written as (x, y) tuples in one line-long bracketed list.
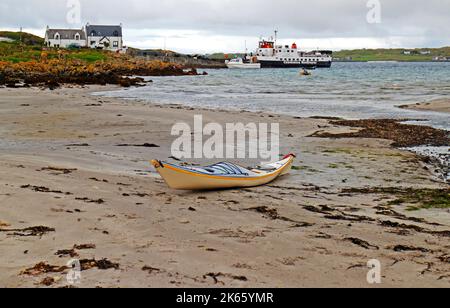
[(182, 179)]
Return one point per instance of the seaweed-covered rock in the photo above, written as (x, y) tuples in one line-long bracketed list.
[(118, 70)]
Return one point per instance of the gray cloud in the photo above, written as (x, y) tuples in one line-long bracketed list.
[(423, 21)]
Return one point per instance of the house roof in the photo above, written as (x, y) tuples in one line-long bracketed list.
[(95, 30), (66, 34)]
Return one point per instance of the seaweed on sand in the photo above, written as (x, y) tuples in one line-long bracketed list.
[(43, 268), (30, 231), (402, 135)]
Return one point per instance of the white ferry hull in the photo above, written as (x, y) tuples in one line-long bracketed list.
[(244, 65)]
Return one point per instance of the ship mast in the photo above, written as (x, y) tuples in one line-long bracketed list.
[(276, 36)]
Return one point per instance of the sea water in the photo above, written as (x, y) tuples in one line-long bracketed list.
[(347, 90)]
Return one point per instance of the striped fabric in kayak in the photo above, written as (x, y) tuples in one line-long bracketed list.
[(221, 169)]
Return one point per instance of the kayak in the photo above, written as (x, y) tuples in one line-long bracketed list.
[(221, 176)]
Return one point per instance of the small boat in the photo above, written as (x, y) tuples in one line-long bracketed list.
[(241, 64), (305, 73), (221, 176)]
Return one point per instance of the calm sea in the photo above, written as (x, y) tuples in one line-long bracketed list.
[(348, 90)]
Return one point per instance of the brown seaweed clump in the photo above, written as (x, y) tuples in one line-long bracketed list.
[(402, 135)]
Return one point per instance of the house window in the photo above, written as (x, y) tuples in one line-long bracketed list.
[(77, 37), (92, 43), (115, 44), (57, 36)]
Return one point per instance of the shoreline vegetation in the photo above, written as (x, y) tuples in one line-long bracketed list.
[(399, 55), (26, 63)]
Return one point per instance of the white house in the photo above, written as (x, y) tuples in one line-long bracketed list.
[(104, 37), (92, 36), (64, 38)]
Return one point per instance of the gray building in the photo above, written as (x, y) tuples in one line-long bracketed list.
[(64, 38), (104, 37)]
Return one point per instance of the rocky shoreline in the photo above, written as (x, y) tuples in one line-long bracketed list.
[(54, 73)]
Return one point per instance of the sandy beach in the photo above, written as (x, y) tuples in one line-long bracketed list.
[(84, 197), (438, 105)]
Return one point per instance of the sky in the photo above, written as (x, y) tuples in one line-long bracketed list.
[(207, 26)]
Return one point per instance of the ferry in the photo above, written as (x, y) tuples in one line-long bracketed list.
[(239, 63), (271, 55)]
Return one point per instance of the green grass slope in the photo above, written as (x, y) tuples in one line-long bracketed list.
[(27, 38), (391, 54)]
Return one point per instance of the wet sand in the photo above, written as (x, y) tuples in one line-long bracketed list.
[(61, 169), (439, 105)]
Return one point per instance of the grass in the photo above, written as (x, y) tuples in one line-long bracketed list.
[(15, 52), (27, 38), (88, 56), (30, 49), (363, 55)]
